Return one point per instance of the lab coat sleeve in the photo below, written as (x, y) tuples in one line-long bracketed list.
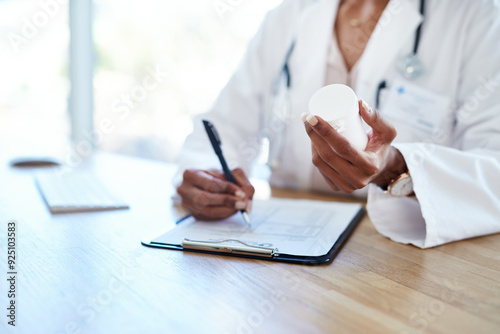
[(457, 188), (238, 111)]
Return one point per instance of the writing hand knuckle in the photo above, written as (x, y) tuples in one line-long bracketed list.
[(197, 215), (212, 187), (187, 174), (210, 212), (180, 190), (394, 132), (202, 200), (250, 190), (229, 202), (391, 133)]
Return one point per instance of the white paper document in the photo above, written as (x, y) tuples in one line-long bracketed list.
[(294, 227)]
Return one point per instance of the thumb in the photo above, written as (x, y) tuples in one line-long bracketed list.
[(380, 126)]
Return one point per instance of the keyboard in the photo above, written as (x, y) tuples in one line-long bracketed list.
[(76, 191)]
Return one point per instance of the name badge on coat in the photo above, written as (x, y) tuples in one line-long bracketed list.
[(415, 106)]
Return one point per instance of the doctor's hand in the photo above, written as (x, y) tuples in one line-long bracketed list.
[(209, 196), (347, 168)]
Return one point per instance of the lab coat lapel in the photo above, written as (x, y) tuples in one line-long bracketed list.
[(395, 28), (314, 31)]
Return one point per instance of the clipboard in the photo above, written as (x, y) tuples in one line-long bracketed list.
[(231, 237)]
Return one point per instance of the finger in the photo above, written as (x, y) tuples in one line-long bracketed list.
[(209, 205), (221, 176), (205, 181), (339, 183), (383, 131), (201, 199), (243, 182), (324, 152), (346, 176), (316, 125), (216, 173), (330, 183), (338, 180), (355, 158)]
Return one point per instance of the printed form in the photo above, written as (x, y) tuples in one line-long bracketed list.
[(295, 227)]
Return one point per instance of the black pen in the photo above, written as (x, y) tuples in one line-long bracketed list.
[(216, 144)]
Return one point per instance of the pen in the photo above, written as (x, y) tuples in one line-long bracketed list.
[(216, 144)]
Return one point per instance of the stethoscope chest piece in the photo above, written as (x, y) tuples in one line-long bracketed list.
[(410, 66)]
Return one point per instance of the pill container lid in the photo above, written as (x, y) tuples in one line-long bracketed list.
[(333, 102)]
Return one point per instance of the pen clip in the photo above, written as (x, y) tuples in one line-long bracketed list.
[(219, 246)]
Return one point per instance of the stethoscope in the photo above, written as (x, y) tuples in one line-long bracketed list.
[(274, 133), (410, 65)]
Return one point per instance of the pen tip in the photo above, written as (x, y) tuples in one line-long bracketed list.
[(245, 215)]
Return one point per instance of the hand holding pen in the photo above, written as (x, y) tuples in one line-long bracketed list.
[(209, 195), (213, 135)]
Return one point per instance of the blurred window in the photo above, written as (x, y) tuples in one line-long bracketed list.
[(161, 62), (157, 64), (34, 65)]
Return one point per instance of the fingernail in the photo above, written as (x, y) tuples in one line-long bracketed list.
[(366, 106), (240, 205), (240, 193), (303, 117), (312, 120), (249, 207)]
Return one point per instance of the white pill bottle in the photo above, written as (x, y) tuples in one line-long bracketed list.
[(338, 105)]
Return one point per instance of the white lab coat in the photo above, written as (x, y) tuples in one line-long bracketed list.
[(456, 171)]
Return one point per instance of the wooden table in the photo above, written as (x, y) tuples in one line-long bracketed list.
[(88, 273)]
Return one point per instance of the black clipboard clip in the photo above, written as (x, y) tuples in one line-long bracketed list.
[(221, 246)]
